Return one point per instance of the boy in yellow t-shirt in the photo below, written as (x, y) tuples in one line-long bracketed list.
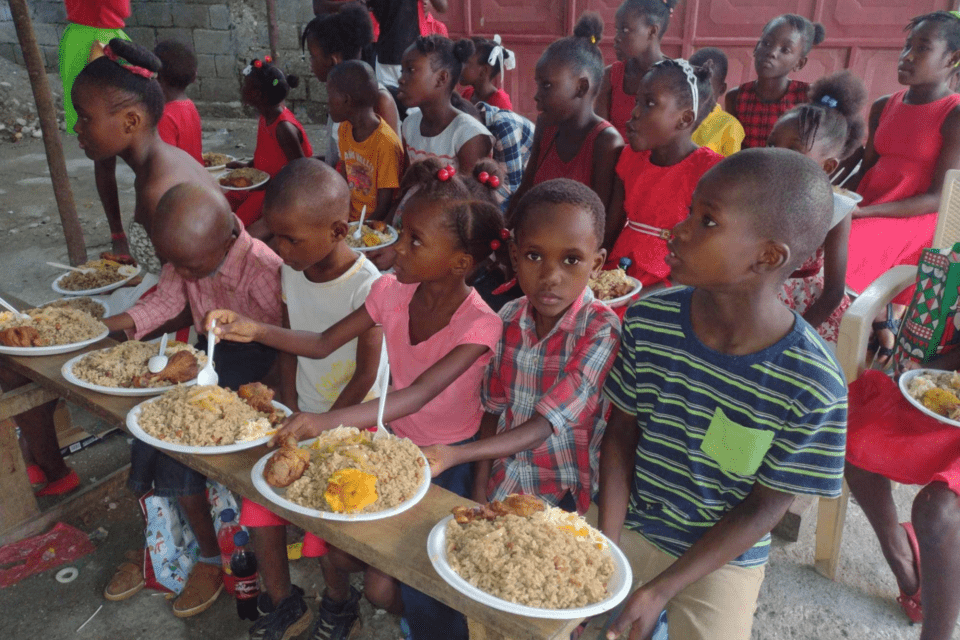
[(719, 131), (371, 154)]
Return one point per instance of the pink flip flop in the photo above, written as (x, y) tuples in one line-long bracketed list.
[(911, 603)]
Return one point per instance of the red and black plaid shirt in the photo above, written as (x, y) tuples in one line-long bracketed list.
[(758, 117)]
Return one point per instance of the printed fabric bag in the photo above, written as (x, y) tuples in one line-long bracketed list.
[(930, 326), (171, 547)]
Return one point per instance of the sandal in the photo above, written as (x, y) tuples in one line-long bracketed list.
[(890, 324), (911, 603)]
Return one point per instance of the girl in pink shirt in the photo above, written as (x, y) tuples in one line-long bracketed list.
[(440, 335)]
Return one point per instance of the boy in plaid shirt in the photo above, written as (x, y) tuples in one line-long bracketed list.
[(545, 414)]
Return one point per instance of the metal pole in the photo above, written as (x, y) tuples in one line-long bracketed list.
[(76, 247)]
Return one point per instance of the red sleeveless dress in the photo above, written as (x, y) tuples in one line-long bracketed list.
[(268, 157), (580, 168), (621, 103), (908, 142)]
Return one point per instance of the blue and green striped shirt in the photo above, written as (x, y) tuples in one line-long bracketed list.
[(712, 425)]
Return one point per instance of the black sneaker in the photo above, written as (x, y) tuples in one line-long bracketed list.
[(289, 619), (341, 625)]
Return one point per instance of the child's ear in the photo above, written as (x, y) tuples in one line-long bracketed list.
[(598, 261), (462, 264), (830, 165), (443, 78), (772, 257), (686, 119), (583, 86), (721, 92), (653, 32), (339, 229), (132, 120), (801, 63), (954, 59), (336, 58)]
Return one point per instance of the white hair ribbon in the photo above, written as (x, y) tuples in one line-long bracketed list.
[(508, 61)]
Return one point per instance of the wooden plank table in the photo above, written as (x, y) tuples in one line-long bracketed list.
[(396, 546)]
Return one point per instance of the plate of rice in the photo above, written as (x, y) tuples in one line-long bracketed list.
[(216, 161), (351, 477), (48, 332), (615, 287), (122, 370), (243, 179), (107, 275), (204, 420), (934, 392), (375, 235), (546, 564), (96, 307)]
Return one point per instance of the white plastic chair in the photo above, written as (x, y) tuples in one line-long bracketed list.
[(855, 329)]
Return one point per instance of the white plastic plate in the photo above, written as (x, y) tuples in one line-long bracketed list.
[(100, 301), (618, 587), (135, 429), (393, 238), (905, 383), (54, 349), (250, 188), (67, 371), (629, 297), (220, 167), (277, 496), (90, 292)]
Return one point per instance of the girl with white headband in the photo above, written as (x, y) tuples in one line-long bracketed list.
[(480, 73)]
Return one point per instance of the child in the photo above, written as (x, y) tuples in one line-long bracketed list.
[(571, 141), (434, 127), (725, 402), (719, 131), (371, 153), (306, 209), (512, 143), (783, 47), (656, 176), (640, 26), (337, 37), (481, 71), (828, 129), (210, 262), (180, 124), (544, 411), (439, 336), (914, 139), (280, 136)]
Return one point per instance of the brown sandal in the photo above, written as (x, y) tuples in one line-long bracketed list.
[(128, 579)]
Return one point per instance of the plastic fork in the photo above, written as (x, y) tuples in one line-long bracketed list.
[(363, 213), (382, 430), (208, 375)]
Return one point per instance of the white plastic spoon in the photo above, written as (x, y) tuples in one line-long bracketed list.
[(69, 268), (158, 363), (208, 375), (17, 313), (382, 430), (363, 214)]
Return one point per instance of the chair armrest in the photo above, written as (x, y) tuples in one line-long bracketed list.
[(855, 327)]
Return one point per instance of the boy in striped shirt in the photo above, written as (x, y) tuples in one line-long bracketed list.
[(726, 404)]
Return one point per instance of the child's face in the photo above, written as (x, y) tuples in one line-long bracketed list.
[(779, 52), (100, 133), (786, 135), (558, 91), (657, 117), (716, 246), (925, 58), (426, 249), (338, 104), (631, 34), (472, 71), (301, 244), (320, 62), (418, 82), (555, 255)]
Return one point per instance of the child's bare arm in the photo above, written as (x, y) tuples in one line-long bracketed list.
[(730, 537), (288, 371), (528, 435), (369, 345), (601, 106), (870, 154), (399, 403), (834, 274), (482, 468), (105, 176), (384, 204), (616, 215), (472, 151), (730, 102), (119, 322), (606, 153), (288, 137), (387, 109), (617, 453)]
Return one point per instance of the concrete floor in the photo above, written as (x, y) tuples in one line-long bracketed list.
[(795, 602)]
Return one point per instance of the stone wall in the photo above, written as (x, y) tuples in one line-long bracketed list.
[(224, 33)]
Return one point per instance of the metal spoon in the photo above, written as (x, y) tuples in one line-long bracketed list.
[(158, 363), (382, 430), (363, 214), (69, 268), (208, 375)]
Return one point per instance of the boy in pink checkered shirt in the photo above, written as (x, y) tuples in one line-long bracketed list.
[(545, 413)]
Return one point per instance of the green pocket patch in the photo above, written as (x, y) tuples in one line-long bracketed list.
[(737, 449)]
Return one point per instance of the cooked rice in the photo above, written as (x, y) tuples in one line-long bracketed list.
[(119, 365), (105, 272), (949, 380), (369, 237), (56, 326), (204, 416), (396, 462), (212, 159), (255, 176), (550, 560), (611, 284), (82, 303)]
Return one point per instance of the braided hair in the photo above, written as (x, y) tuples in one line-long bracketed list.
[(444, 53), (834, 114), (270, 80), (948, 21), (654, 12), (129, 88)]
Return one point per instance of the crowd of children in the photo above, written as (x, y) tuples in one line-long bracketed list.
[(693, 419)]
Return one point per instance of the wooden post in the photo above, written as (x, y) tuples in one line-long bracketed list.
[(18, 504), (76, 247), (273, 31)]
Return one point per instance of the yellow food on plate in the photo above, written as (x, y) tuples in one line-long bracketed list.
[(940, 401), (351, 490)]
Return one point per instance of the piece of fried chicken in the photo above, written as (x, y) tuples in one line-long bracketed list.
[(21, 337), (286, 465), (119, 258), (257, 395), (514, 504), (181, 367)]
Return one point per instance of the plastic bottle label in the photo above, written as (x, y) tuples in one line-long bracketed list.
[(247, 588)]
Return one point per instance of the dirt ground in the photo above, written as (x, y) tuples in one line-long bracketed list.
[(795, 602)]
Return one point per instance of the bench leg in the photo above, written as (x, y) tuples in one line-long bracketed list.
[(830, 517), (17, 504)]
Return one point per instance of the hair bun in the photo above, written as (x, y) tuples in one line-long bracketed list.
[(135, 54), (589, 27), (293, 81), (819, 33), (463, 49)]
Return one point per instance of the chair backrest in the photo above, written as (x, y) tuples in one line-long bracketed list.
[(948, 220)]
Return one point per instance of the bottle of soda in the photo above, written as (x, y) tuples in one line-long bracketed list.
[(228, 528), (244, 566)]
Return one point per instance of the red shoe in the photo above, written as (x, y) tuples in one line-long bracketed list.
[(36, 474), (59, 487), (911, 603)]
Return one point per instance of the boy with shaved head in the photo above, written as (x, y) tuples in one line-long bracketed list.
[(210, 262), (726, 404), (306, 208)]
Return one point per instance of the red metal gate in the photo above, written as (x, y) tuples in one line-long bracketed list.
[(863, 35)]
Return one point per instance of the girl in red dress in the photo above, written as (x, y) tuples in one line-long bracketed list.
[(783, 47), (481, 71), (280, 137), (640, 26)]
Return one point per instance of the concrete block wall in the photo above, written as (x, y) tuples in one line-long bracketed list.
[(225, 35)]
